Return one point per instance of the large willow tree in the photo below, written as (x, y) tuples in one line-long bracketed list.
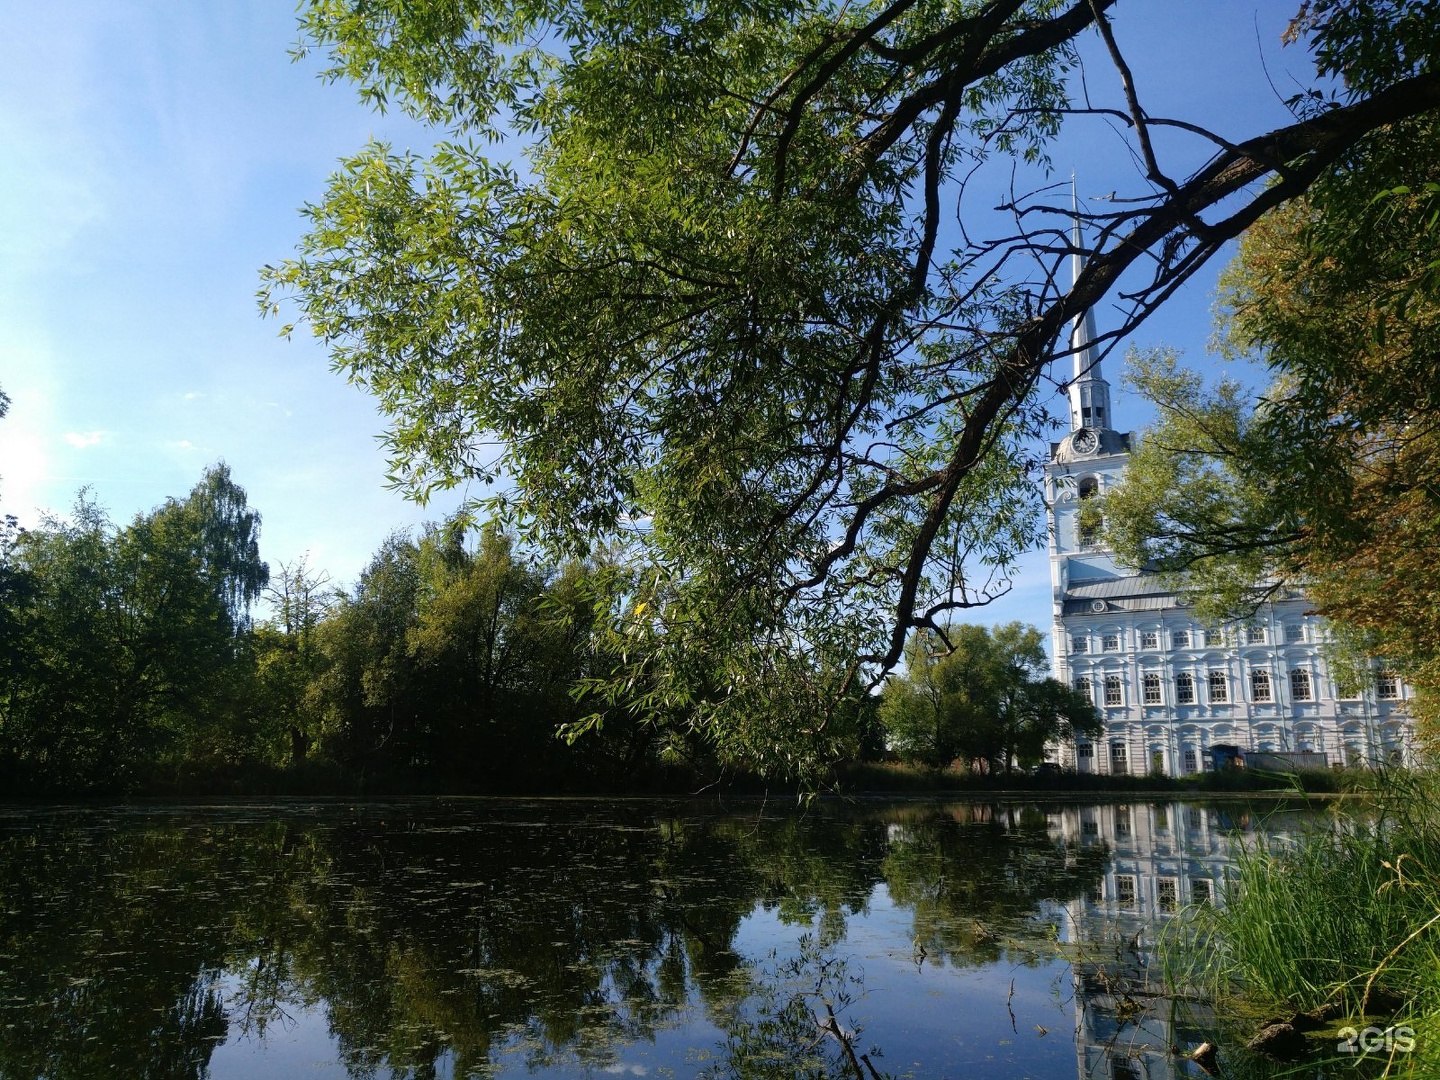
[(709, 303)]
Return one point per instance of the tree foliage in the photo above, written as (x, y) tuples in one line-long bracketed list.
[(1329, 482), (716, 319), (134, 637), (985, 700)]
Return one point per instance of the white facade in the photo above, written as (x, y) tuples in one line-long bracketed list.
[(1168, 686)]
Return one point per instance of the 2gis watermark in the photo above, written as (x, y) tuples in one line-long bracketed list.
[(1397, 1039)]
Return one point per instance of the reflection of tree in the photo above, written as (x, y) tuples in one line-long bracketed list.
[(975, 877), (549, 931), (795, 1023), (113, 940)]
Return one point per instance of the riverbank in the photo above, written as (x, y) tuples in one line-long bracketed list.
[(1330, 943), (316, 779), (895, 778)]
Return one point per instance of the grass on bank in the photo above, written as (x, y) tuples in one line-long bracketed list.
[(1347, 914)]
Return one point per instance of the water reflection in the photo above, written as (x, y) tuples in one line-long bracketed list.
[(1163, 858), (464, 938)]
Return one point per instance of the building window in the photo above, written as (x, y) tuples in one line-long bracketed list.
[(1167, 894), (1090, 531), (1193, 821), (1214, 637), (1079, 643), (1191, 765), (1125, 890), (1110, 643), (1151, 683), (1150, 639), (1201, 891), (1260, 685), (1180, 639), (1118, 765), (1299, 684), (1113, 693), (1294, 633), (1219, 687), (1082, 686), (1085, 750), (1122, 823), (1387, 686), (1254, 634), (1184, 689)]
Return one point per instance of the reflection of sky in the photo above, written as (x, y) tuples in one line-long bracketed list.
[(303, 1046), (928, 1019), (299, 1047), (932, 1020)]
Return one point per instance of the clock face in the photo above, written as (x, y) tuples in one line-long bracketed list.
[(1085, 441)]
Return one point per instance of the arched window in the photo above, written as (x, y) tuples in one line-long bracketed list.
[(1114, 694), (1260, 685), (1089, 487), (1184, 689), (1299, 684)]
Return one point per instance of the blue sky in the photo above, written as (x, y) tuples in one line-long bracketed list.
[(154, 154)]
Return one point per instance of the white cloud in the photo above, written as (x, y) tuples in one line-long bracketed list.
[(81, 439)]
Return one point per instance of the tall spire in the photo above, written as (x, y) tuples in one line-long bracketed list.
[(1089, 392)]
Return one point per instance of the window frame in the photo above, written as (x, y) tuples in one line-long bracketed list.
[(1116, 684), (1302, 685)]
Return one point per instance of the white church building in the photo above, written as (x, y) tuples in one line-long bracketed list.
[(1168, 686)]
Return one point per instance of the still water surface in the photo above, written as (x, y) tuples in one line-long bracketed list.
[(461, 938)]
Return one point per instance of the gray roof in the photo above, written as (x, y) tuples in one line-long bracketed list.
[(1139, 592)]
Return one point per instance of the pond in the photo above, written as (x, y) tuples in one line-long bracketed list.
[(565, 938)]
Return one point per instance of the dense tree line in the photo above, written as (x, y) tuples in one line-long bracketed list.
[(131, 655), (165, 651), (128, 645)]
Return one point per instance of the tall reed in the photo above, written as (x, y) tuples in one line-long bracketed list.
[(1348, 913)]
